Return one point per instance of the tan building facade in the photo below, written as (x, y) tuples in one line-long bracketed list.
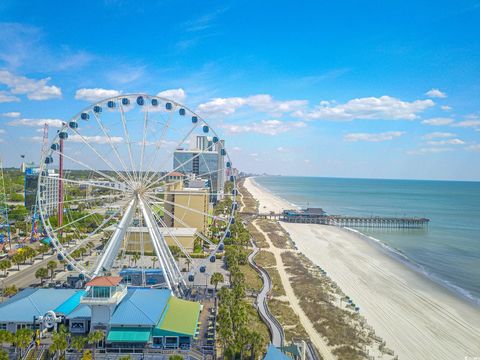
[(136, 235), (189, 207)]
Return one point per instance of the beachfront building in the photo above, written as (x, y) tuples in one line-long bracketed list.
[(129, 317), (187, 207), (138, 238), (204, 160), (49, 190)]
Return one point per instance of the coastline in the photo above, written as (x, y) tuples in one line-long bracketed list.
[(417, 317)]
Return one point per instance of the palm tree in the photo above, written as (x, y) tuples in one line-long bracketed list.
[(5, 265), (78, 343), (29, 253), (41, 274), (176, 357), (94, 338), (154, 260), (6, 337), (43, 249), (256, 341), (52, 265), (10, 291), (59, 342), (18, 259), (135, 258), (216, 278), (3, 355), (22, 339), (188, 262)]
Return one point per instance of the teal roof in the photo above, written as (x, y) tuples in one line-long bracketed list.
[(70, 304), (275, 354), (141, 307), (81, 311), (33, 302), (129, 334)]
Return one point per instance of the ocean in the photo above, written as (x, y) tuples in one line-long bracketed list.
[(448, 251)]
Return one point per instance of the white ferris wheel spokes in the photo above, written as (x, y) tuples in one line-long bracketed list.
[(116, 168)]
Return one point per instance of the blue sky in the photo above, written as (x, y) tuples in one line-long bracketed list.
[(384, 89)]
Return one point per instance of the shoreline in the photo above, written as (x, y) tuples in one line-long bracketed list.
[(416, 316), (455, 290)]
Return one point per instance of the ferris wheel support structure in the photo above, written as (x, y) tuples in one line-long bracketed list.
[(111, 179)]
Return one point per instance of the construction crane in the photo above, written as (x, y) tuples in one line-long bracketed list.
[(35, 216), (4, 223)]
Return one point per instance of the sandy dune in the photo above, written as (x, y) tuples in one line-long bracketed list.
[(418, 318)]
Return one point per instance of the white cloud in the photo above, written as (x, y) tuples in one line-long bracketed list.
[(95, 139), (237, 148), (438, 135), (2, 131), (266, 127), (261, 102), (435, 93), (446, 108), (467, 123), (473, 147), (383, 108), (438, 121), (12, 114), (372, 137), (429, 150), (6, 97), (281, 149), (446, 142), (33, 89), (95, 94), (254, 154), (36, 122), (178, 95)]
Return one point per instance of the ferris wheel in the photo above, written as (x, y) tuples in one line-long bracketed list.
[(128, 172)]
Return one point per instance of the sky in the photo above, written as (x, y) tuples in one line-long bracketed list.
[(378, 89)]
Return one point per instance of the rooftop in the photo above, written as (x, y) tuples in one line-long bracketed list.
[(275, 354), (105, 281), (31, 302), (141, 306), (172, 324)]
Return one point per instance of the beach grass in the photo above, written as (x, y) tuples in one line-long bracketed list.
[(289, 320), (342, 328), (277, 235), (253, 282), (257, 236), (265, 259), (249, 202)]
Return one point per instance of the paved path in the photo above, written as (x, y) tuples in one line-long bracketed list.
[(274, 326)]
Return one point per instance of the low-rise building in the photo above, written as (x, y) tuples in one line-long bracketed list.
[(130, 317)]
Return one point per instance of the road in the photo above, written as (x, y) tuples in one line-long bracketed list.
[(26, 277), (276, 330)]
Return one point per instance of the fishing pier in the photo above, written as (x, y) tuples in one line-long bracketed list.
[(318, 216)]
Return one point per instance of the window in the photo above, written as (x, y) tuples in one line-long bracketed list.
[(3, 326), (157, 340)]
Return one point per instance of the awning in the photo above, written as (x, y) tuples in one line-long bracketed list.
[(128, 334)]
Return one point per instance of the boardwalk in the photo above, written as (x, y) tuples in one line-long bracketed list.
[(276, 330)]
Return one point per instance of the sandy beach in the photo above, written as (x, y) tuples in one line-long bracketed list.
[(417, 318)]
